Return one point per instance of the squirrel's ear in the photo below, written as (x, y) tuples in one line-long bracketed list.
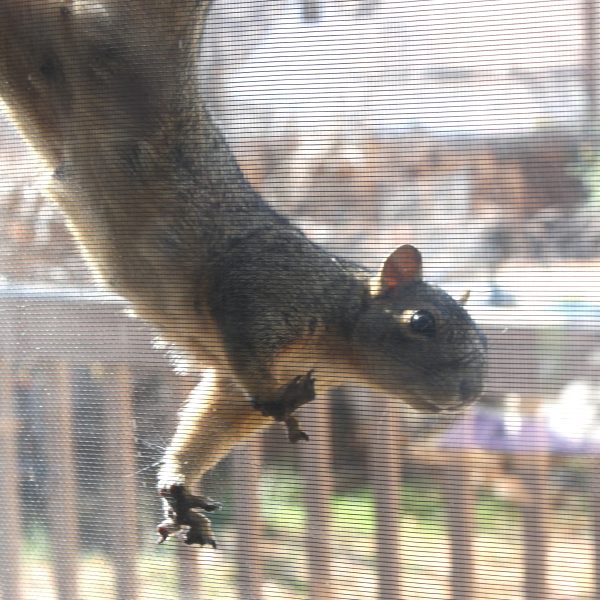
[(403, 266)]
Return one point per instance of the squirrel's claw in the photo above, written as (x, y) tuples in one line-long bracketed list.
[(181, 515), (297, 393), (295, 434), (200, 531), (167, 528)]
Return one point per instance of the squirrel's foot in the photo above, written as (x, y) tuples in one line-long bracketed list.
[(297, 393), (295, 434), (181, 514)]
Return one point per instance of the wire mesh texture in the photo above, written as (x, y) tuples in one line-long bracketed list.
[(468, 128)]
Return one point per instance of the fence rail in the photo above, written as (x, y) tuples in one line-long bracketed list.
[(50, 337)]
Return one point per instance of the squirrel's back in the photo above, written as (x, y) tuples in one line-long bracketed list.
[(108, 96)]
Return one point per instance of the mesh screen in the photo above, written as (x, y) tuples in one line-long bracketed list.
[(151, 305)]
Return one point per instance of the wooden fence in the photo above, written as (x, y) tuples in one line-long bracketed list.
[(50, 334)]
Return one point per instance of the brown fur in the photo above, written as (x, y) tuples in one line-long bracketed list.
[(107, 94)]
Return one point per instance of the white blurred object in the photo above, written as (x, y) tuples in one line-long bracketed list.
[(575, 416)]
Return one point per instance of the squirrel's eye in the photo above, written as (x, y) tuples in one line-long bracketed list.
[(422, 322)]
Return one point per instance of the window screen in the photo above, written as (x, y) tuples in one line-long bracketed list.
[(467, 129)]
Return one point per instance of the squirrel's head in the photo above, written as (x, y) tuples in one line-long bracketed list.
[(416, 342)]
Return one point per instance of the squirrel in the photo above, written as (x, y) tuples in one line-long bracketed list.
[(107, 93)]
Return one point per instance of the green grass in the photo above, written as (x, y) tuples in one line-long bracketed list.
[(284, 513), (492, 514)]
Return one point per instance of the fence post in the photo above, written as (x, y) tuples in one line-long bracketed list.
[(189, 571), (595, 509), (317, 476), (590, 67), (10, 545), (62, 487), (246, 477), (384, 464), (534, 470), (460, 501), (121, 481)]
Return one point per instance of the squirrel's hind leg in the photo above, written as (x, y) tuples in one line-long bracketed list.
[(217, 416)]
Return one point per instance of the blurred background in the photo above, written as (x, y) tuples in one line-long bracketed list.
[(468, 128)]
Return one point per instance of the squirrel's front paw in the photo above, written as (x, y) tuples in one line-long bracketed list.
[(297, 393), (181, 514), (295, 434)]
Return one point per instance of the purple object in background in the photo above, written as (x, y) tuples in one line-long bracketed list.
[(487, 429)]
